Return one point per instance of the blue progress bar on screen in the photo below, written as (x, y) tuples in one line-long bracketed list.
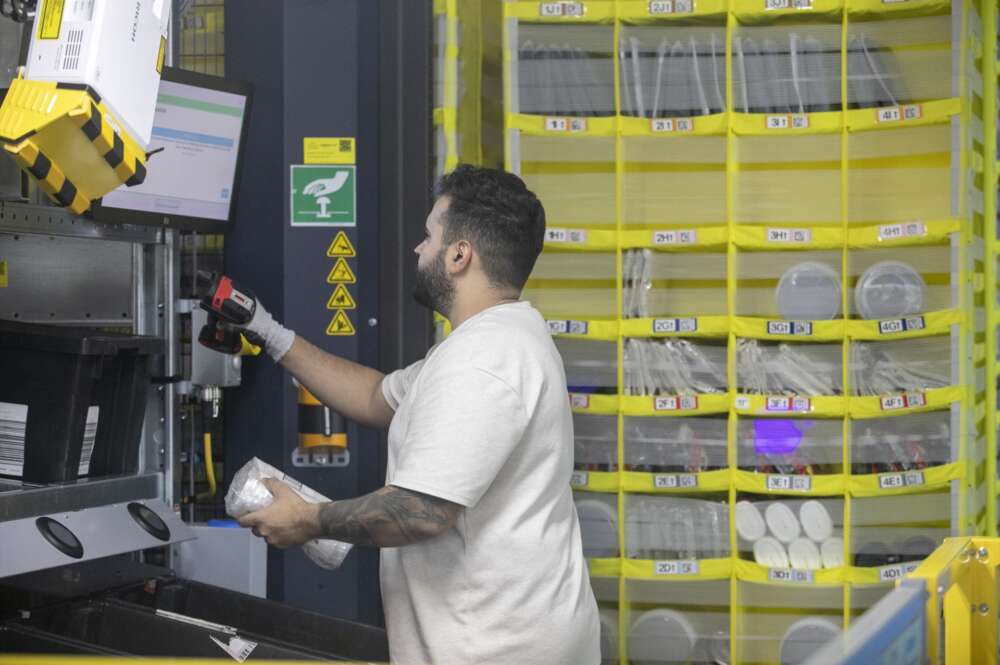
[(192, 137)]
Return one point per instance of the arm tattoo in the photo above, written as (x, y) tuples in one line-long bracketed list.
[(388, 517)]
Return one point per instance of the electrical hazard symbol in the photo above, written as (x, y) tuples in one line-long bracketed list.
[(341, 273), (340, 324), (341, 246), (341, 299)]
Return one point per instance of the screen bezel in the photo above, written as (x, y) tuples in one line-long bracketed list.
[(102, 213)]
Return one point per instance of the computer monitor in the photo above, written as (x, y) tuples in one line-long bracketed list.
[(196, 155)]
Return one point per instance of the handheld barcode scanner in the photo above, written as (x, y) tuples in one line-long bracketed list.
[(227, 303)]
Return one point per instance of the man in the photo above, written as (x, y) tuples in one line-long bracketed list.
[(483, 560)]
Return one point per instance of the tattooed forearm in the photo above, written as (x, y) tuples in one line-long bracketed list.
[(388, 517)]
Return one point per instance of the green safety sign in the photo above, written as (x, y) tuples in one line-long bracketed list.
[(323, 195)]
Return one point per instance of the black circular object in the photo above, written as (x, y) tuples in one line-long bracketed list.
[(59, 537), (149, 521)]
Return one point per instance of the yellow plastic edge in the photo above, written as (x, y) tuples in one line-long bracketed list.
[(594, 11), (596, 404), (878, 8), (666, 128), (822, 485), (708, 569), (931, 113), (705, 326), (668, 239), (823, 406), (636, 12), (748, 571), (645, 405), (934, 478), (757, 328), (708, 481), (758, 124), (936, 398), (935, 323), (604, 567), (761, 237), (599, 481), (935, 232)]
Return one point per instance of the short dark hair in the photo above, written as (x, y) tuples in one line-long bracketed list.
[(502, 219)]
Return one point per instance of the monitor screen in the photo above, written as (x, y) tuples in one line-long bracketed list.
[(194, 161)]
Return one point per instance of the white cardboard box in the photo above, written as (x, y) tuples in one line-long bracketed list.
[(113, 46)]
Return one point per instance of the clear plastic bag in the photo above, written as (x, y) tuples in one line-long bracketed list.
[(247, 494)]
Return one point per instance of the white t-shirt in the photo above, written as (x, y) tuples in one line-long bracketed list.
[(484, 421)]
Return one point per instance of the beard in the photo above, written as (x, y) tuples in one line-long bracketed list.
[(432, 288)]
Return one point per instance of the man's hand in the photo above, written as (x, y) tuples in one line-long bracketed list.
[(288, 521)]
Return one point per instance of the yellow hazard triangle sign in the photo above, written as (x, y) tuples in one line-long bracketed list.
[(341, 273), (341, 246), (340, 324), (341, 299)]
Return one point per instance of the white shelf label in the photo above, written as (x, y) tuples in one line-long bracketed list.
[(789, 575), (798, 328), (556, 124), (679, 237), (579, 401), (793, 121), (897, 113), (661, 125), (686, 567), (896, 572), (896, 326), (569, 327), (891, 481), (781, 403), (742, 403), (577, 124), (904, 401), (567, 236), (789, 235), (777, 121), (683, 124), (553, 9), (663, 326), (904, 230), (670, 481), (579, 479), (776, 483), (661, 7), (675, 403)]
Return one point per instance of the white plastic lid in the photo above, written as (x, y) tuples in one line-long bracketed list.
[(808, 291), (804, 637), (782, 522), (598, 528), (816, 520), (832, 551), (749, 522), (889, 289), (769, 552), (804, 555), (658, 632)]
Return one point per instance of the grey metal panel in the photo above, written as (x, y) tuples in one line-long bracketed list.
[(16, 217), (65, 280), (19, 502), (233, 559), (102, 531), (208, 367)]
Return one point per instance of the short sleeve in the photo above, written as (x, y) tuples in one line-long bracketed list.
[(396, 384), (463, 425)]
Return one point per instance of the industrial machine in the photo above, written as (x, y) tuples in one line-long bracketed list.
[(109, 406)]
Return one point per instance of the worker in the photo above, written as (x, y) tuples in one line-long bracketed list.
[(482, 560)]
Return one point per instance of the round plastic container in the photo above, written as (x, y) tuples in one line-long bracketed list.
[(816, 521), (804, 637), (750, 523), (660, 632), (769, 552), (890, 289), (782, 522), (808, 291)]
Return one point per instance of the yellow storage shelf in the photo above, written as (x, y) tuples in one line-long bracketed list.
[(788, 485), (779, 329), (644, 12), (595, 481), (700, 326), (675, 239), (561, 11), (674, 405), (920, 325), (652, 483), (693, 569)]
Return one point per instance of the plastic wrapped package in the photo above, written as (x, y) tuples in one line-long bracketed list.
[(247, 494)]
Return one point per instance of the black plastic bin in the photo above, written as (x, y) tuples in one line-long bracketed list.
[(59, 373)]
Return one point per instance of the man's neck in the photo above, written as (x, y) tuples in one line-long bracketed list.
[(464, 309)]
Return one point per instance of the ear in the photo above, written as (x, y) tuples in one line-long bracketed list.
[(458, 257)]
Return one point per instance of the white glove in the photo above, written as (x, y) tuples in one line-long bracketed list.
[(277, 338)]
